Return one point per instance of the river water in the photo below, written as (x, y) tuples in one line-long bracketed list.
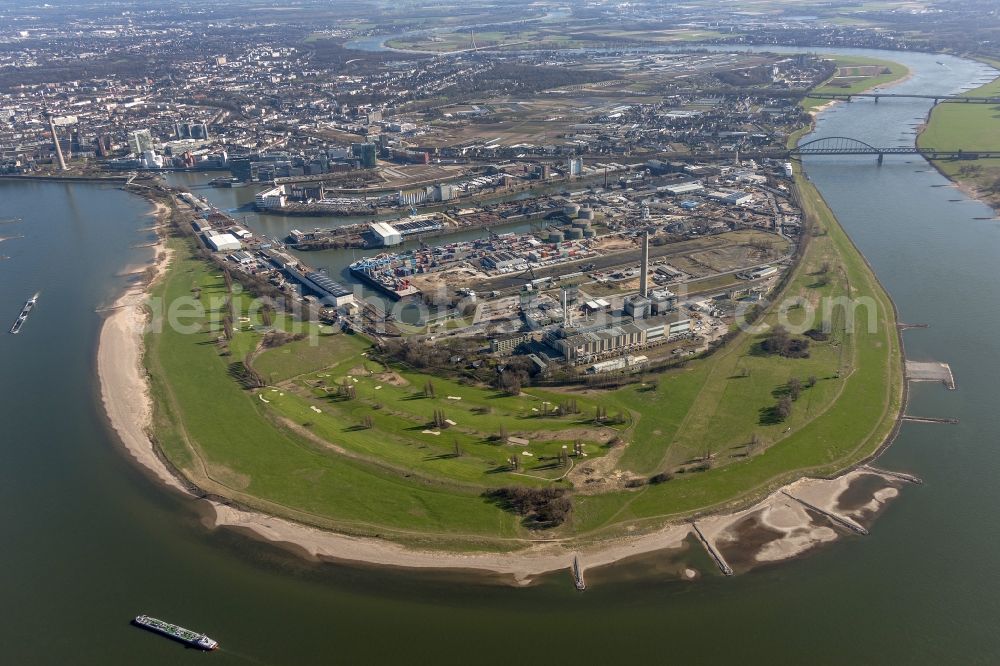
[(88, 541)]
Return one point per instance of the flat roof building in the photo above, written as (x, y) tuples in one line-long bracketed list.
[(331, 290), (223, 242)]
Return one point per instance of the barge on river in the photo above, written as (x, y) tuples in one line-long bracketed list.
[(180, 634), (29, 305)]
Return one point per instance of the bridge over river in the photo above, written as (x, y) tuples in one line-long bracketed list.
[(960, 99), (843, 145), (846, 96)]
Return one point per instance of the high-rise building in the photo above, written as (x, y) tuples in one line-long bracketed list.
[(55, 141), (644, 267), (140, 141), (366, 153), (575, 167)]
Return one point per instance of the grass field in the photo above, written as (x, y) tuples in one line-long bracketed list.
[(219, 437), (957, 126), (857, 84)]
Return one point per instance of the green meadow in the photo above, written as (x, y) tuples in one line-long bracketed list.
[(958, 126), (856, 83)]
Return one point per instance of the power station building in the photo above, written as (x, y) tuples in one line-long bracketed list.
[(654, 320), (579, 343)]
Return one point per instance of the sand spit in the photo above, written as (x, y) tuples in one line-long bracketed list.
[(780, 527)]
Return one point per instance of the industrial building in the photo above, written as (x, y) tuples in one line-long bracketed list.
[(503, 261), (693, 187), (332, 291), (580, 342), (384, 234), (272, 198), (221, 242), (621, 363), (506, 344), (759, 273)]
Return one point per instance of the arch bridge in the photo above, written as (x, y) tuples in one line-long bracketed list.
[(956, 99), (843, 145)]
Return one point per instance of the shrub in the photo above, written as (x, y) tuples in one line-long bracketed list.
[(662, 477), (540, 507)]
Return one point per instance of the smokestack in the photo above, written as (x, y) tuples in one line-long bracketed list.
[(644, 269), (565, 305), (55, 140)]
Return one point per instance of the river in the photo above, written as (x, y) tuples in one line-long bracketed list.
[(89, 541)]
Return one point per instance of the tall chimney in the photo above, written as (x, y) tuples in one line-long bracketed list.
[(55, 140), (644, 269)]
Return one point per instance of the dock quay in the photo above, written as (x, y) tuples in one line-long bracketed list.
[(902, 476), (716, 555), (902, 326), (930, 371), (840, 520), (578, 580), (929, 419)]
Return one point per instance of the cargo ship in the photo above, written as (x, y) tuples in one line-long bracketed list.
[(387, 273), (180, 634), (578, 580), (29, 305)]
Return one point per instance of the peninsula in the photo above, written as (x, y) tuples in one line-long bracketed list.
[(355, 444)]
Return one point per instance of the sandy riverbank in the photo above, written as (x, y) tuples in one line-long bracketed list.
[(124, 390)]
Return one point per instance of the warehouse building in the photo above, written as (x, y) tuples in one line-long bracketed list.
[(332, 291), (384, 234), (223, 242)]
